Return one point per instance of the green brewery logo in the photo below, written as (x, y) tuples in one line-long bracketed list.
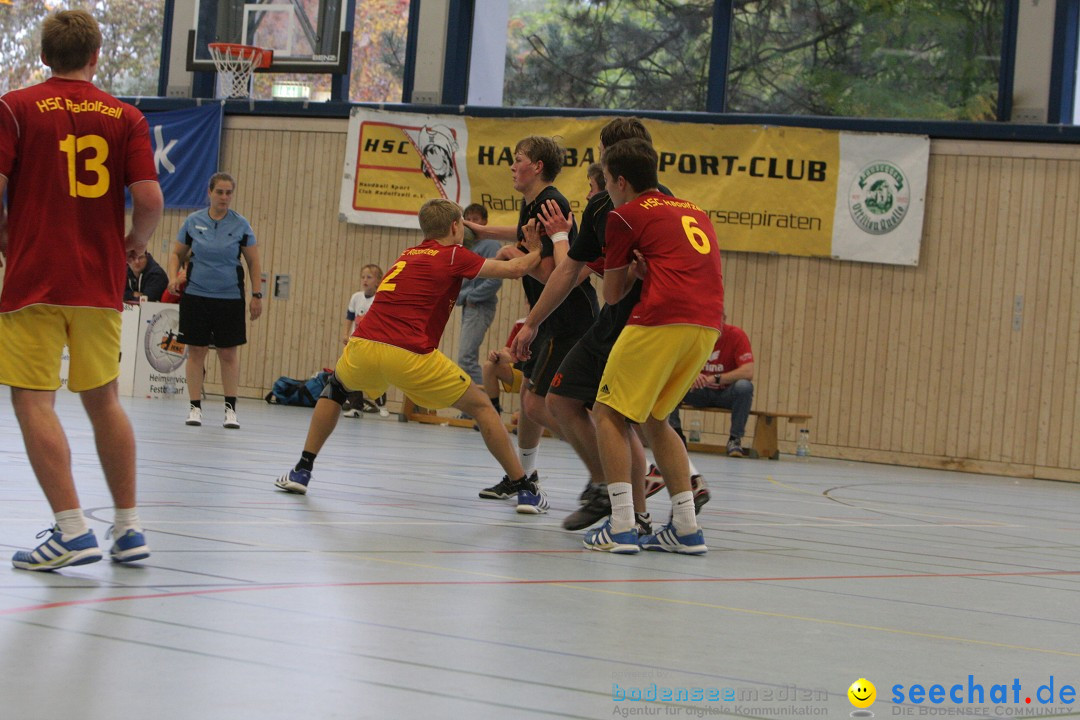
[(879, 198)]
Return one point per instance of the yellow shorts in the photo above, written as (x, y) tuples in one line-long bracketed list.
[(650, 369), (431, 380), (515, 382), (32, 340)]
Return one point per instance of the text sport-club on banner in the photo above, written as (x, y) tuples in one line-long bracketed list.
[(791, 191)]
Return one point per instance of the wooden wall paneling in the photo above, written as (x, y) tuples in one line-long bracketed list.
[(1046, 244), (1056, 307), (1069, 384), (254, 186), (889, 387), (1043, 241), (999, 316), (869, 355), (1024, 286), (950, 335), (1066, 385), (1050, 404), (970, 316), (974, 311), (845, 322), (801, 385), (960, 232), (829, 416), (983, 294), (923, 423)]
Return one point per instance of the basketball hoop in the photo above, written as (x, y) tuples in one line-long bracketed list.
[(235, 63)]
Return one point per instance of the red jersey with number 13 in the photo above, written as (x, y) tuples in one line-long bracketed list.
[(684, 284), (415, 298), (68, 151)]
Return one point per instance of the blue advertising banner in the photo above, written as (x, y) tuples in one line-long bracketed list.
[(186, 145)]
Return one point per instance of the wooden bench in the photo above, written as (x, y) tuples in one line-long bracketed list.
[(765, 439)]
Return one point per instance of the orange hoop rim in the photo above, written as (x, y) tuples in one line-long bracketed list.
[(259, 57)]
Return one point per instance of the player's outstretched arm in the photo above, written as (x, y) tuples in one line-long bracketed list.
[(505, 233)]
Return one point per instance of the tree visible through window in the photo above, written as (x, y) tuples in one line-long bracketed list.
[(131, 44), (637, 54), (925, 59), (928, 59)]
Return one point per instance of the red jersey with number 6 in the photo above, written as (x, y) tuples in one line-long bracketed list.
[(68, 150), (415, 298), (683, 283)]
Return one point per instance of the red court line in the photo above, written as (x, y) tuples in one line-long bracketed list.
[(586, 581)]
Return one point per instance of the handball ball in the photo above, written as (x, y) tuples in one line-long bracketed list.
[(470, 236)]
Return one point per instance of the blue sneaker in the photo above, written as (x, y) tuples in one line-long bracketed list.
[(625, 543), (129, 547), (668, 541), (531, 499), (54, 553), (294, 481)]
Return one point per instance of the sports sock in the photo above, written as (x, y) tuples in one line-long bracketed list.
[(72, 523), (496, 404), (230, 400), (125, 519), (528, 458), (196, 403), (682, 513), (307, 461), (693, 470), (622, 506)]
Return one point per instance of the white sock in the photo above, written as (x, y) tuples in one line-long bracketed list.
[(72, 523), (126, 519), (693, 470), (622, 506), (682, 513), (528, 458)]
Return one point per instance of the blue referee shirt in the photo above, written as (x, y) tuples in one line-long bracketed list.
[(215, 245)]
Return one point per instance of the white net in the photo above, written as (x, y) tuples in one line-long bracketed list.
[(235, 65)]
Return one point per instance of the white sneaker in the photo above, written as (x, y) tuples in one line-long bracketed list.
[(194, 416), (230, 419), (351, 413)]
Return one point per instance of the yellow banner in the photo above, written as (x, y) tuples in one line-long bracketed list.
[(792, 191)]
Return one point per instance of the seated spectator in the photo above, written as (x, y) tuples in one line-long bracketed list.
[(725, 382), (145, 279)]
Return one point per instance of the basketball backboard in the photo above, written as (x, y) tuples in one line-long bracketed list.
[(307, 36)]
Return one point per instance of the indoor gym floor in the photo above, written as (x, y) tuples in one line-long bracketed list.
[(391, 590)]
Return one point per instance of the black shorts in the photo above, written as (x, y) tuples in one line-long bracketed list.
[(548, 353), (212, 321), (579, 374)]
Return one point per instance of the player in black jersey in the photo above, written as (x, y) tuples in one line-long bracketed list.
[(575, 384), (537, 162)]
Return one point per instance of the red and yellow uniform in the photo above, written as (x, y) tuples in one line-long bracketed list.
[(395, 342), (68, 150), (673, 328)]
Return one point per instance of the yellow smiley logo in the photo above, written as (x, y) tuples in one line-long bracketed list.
[(862, 693)]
